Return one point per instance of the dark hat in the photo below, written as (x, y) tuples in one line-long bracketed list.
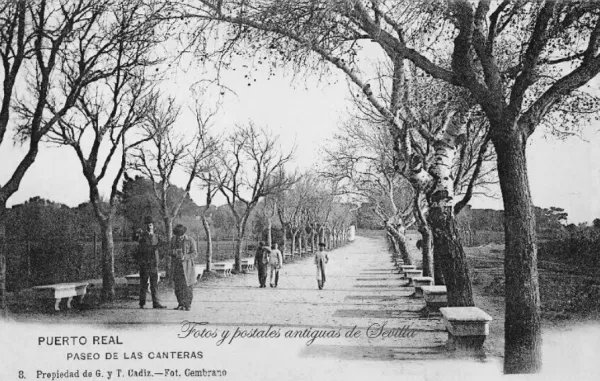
[(321, 244), (179, 230), (148, 220)]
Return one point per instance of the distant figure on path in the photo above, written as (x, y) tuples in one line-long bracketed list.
[(147, 258), (275, 264), (261, 261), (183, 252), (321, 259)]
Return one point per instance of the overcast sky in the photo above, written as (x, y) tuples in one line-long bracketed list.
[(306, 114)]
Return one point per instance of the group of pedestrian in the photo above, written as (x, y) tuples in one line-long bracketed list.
[(182, 249), (270, 259)]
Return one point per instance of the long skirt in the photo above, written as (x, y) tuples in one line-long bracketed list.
[(183, 292)]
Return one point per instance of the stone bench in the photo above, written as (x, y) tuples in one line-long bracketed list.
[(403, 268), (410, 274), (435, 297), (419, 282), (199, 270), (467, 327), (247, 264), (62, 290), (133, 280), (223, 268)]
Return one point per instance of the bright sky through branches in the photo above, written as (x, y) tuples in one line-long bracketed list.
[(305, 113)]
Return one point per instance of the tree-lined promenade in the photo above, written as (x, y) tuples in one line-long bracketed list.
[(445, 97)]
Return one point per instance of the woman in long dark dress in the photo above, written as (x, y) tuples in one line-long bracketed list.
[(183, 250)]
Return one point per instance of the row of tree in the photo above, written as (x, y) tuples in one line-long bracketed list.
[(520, 65)]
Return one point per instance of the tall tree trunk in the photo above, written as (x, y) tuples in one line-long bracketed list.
[(294, 232), (238, 249), (523, 339), (449, 254), (168, 222), (284, 244), (269, 232), (427, 252), (399, 242), (209, 249), (430, 268), (3, 306), (108, 259)]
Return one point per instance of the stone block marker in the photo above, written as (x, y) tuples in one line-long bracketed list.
[(435, 297), (403, 268), (410, 274), (419, 282), (467, 327)]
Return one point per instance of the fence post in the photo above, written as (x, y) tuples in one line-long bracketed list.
[(95, 262), (28, 262)]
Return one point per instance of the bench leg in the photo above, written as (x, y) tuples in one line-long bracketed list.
[(69, 300), (57, 304)]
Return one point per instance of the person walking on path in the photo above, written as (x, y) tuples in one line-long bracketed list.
[(183, 252), (275, 264), (261, 261), (147, 258), (321, 259)]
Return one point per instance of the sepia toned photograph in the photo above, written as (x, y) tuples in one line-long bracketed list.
[(303, 189)]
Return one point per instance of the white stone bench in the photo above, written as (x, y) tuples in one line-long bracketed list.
[(419, 282), (134, 279), (223, 268), (62, 290), (410, 274), (199, 270), (435, 297), (247, 264), (467, 327)]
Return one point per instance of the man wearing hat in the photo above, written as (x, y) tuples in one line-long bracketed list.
[(321, 259), (183, 252), (147, 257), (261, 260)]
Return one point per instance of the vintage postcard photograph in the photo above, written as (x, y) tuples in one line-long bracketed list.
[(299, 190)]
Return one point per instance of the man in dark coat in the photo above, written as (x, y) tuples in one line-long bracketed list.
[(147, 257), (183, 251), (261, 261)]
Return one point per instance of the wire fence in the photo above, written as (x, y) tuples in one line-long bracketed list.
[(60, 259)]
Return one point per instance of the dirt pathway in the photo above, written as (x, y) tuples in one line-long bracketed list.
[(362, 292)]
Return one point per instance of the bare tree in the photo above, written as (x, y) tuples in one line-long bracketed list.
[(167, 150), (38, 34), (90, 84), (248, 172), (211, 188)]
